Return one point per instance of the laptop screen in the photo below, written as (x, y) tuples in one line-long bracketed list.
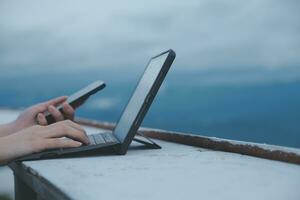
[(139, 96)]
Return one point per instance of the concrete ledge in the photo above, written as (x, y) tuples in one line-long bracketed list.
[(272, 152)]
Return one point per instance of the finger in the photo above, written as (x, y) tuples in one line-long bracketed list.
[(56, 101), (68, 123), (58, 116), (41, 119), (74, 125), (61, 143), (63, 129), (68, 111), (42, 107)]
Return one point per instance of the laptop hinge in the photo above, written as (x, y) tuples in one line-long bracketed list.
[(142, 139)]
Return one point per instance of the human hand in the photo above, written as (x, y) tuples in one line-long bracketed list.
[(38, 138), (34, 114)]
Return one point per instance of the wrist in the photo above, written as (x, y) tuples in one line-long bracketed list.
[(5, 150), (14, 127), (7, 129)]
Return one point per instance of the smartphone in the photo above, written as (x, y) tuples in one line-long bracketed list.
[(78, 98)]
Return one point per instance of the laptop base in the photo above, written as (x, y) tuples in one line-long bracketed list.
[(84, 150)]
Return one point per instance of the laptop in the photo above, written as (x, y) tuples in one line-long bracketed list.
[(126, 129)]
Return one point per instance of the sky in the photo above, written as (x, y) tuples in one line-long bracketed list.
[(258, 37)]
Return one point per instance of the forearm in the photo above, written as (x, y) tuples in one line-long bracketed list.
[(6, 153), (7, 129)]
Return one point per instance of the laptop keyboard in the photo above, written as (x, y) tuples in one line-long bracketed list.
[(101, 138)]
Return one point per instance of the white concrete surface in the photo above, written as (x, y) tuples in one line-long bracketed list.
[(174, 172)]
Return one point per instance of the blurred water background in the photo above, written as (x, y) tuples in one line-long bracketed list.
[(236, 74)]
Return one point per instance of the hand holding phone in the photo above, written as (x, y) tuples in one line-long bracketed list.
[(78, 98)]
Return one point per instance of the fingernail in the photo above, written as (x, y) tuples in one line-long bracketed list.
[(68, 107), (39, 116), (78, 143)]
